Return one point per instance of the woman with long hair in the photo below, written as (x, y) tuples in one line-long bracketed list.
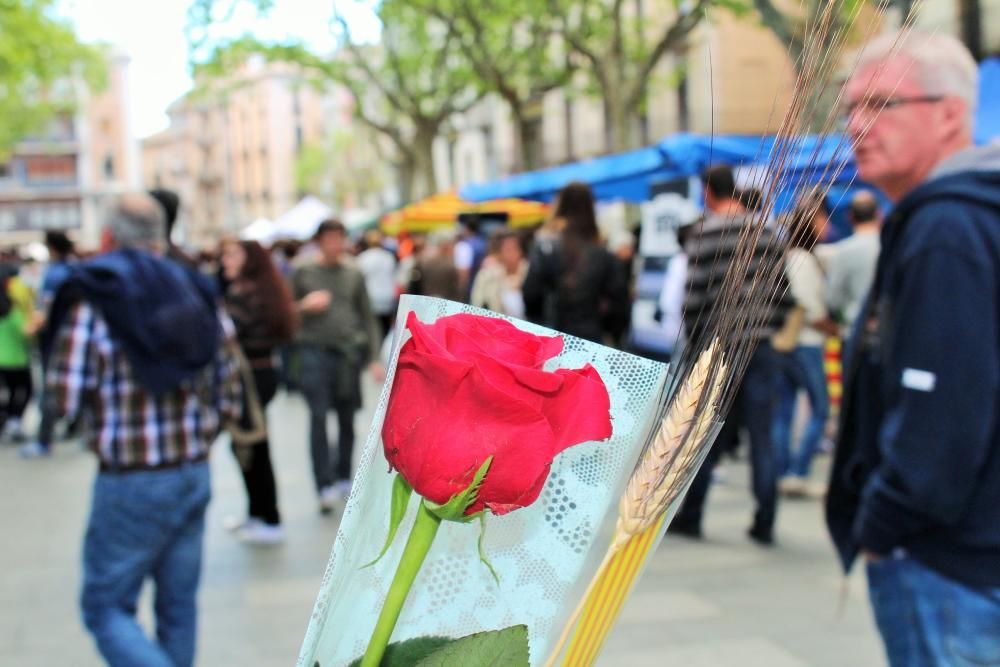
[(802, 367), (574, 284), (260, 304), (497, 286)]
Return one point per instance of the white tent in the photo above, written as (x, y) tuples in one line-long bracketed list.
[(261, 229), (357, 218), (301, 222)]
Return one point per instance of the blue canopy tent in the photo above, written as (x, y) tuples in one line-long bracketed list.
[(630, 176), (620, 176), (988, 110)]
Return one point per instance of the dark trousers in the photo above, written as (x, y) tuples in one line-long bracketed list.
[(17, 389), (325, 388), (753, 408), (385, 323), (255, 458)]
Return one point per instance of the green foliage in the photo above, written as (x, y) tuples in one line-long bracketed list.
[(620, 51), (455, 508), (405, 88), (401, 492), (499, 648), (409, 652), (40, 62)]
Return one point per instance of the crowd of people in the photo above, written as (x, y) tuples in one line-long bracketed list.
[(149, 353)]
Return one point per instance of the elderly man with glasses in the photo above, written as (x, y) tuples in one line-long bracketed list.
[(915, 487)]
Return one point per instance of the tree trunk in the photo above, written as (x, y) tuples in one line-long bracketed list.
[(423, 149), (406, 174), (520, 161), (970, 17), (621, 124)]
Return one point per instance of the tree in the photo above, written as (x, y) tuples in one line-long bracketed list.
[(346, 169), (621, 53), (815, 36), (405, 88), (41, 61), (514, 48)]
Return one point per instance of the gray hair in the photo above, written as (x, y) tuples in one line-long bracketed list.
[(941, 64), (137, 220)]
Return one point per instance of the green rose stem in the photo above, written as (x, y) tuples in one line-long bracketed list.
[(422, 535)]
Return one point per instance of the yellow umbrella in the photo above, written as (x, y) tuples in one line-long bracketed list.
[(443, 210), (435, 212)]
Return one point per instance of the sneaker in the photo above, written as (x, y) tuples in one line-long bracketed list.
[(342, 490), (14, 431), (258, 532), (793, 487), (327, 499), (34, 450), (764, 538), (235, 524), (685, 529)]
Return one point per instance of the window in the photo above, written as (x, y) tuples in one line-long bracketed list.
[(50, 169), (109, 166)]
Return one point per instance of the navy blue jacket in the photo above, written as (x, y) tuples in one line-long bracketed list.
[(164, 315), (918, 456)]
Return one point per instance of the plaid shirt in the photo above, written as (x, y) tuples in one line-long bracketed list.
[(128, 427)]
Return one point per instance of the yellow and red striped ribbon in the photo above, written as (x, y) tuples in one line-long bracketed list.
[(606, 600)]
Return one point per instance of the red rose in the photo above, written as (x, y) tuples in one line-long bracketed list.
[(469, 387)]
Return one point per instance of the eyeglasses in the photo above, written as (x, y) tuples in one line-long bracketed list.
[(876, 105)]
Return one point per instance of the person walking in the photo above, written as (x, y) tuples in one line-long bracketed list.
[(498, 284), (139, 346), (915, 484), (16, 328), (337, 338), (378, 266), (61, 253), (711, 255), (801, 367), (260, 305), (851, 261), (574, 284)]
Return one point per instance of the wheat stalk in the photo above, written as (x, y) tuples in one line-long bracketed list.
[(655, 482), (658, 478)]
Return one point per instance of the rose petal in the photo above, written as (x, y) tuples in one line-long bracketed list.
[(581, 410), (464, 335), (467, 388), (438, 431)]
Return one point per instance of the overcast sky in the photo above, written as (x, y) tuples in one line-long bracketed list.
[(152, 34)]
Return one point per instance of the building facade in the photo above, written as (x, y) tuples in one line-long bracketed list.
[(60, 178), (231, 148)]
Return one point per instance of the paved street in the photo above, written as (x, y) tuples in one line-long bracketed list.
[(723, 602)]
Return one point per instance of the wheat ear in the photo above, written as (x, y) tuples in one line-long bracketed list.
[(655, 482)]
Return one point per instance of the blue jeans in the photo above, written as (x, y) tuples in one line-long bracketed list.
[(802, 368), (927, 620), (753, 409), (145, 524)]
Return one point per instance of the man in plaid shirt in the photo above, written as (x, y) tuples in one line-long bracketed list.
[(139, 349)]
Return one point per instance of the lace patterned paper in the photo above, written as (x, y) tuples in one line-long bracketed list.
[(544, 554)]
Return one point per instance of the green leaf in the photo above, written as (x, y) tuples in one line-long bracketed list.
[(410, 652), (454, 509), (499, 648), (482, 548), (401, 492)]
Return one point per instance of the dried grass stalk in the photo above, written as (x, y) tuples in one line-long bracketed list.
[(656, 481)]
